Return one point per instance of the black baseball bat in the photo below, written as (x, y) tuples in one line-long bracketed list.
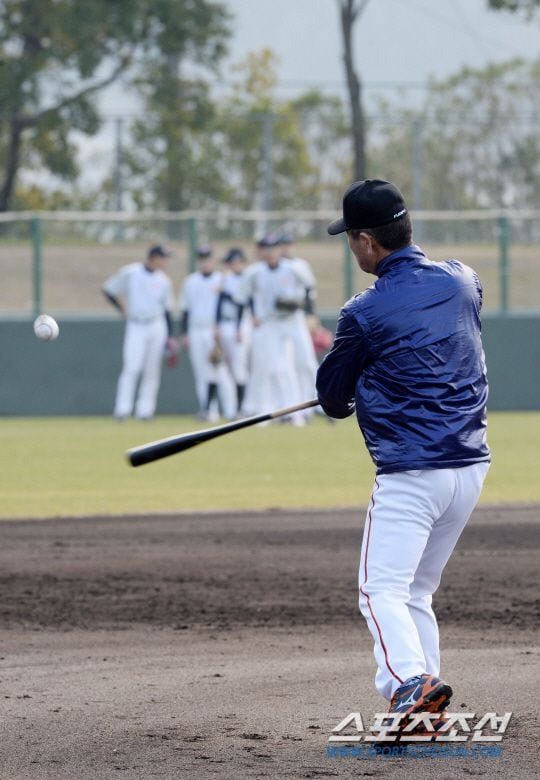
[(155, 450)]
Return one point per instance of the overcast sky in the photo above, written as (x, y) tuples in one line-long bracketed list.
[(399, 45), (395, 40)]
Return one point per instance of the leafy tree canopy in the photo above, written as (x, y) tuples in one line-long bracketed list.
[(478, 139), (56, 55), (527, 6)]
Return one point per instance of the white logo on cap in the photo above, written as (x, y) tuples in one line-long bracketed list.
[(400, 213)]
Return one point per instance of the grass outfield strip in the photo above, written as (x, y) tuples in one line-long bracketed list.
[(62, 466)]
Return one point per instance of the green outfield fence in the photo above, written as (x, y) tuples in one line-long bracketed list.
[(57, 261)]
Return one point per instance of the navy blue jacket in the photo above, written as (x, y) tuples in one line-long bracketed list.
[(408, 356)]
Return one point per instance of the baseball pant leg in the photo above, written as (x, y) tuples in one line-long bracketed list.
[(237, 354), (399, 521), (241, 356), (305, 359), (132, 363), (442, 540), (284, 374), (258, 392), (225, 371), (227, 334), (156, 337), (200, 344), (226, 390)]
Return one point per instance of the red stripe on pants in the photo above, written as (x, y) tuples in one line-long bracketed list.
[(367, 594)]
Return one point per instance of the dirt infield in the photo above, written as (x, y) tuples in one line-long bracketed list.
[(230, 646)]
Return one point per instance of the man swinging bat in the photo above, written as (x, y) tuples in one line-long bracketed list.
[(408, 358)]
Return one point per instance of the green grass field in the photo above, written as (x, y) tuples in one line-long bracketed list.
[(76, 466)]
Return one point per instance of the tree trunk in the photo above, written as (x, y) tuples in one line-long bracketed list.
[(12, 164), (349, 12)]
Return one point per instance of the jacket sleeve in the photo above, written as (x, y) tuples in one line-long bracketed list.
[(479, 290), (340, 369)]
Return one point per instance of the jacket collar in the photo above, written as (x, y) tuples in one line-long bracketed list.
[(411, 252)]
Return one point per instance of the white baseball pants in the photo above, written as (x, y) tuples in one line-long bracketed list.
[(144, 344), (201, 342), (304, 358), (273, 380), (236, 352), (412, 525)]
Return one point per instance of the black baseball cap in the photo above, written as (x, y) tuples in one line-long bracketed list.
[(369, 204), (158, 251), (270, 240), (234, 253), (286, 238), (204, 251)]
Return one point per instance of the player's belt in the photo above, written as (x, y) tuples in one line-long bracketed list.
[(144, 320), (286, 306)]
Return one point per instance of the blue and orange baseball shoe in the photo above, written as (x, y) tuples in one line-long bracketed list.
[(423, 693)]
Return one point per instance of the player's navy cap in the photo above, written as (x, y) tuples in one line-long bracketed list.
[(234, 253), (271, 239), (286, 238), (204, 251), (369, 204), (158, 251)]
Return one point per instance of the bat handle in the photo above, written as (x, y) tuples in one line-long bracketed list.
[(292, 409)]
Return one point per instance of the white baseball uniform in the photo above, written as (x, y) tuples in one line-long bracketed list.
[(235, 328), (304, 352), (273, 380), (198, 299), (147, 295)]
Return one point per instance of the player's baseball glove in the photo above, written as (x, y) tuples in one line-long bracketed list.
[(172, 352), (322, 340), (216, 355)]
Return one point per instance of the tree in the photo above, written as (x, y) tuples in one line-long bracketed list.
[(479, 138), (492, 130), (280, 154), (350, 11), (527, 6), (173, 161), (50, 54), (265, 157), (56, 56), (325, 129)]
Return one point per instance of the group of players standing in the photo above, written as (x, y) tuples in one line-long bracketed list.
[(246, 327)]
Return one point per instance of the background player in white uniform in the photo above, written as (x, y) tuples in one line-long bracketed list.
[(305, 359), (277, 292), (198, 306), (143, 293), (234, 323)]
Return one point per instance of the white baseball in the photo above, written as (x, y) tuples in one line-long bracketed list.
[(46, 328)]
